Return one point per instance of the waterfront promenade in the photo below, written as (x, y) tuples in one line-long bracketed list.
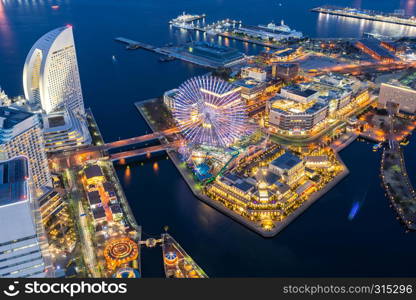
[(398, 186)]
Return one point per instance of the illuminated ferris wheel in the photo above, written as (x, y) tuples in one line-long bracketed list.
[(209, 111)]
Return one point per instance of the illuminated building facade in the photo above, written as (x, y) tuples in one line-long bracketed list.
[(286, 54), (403, 96), (57, 220), (50, 75), (63, 131), (302, 109), (250, 88), (169, 99), (296, 110), (285, 71), (373, 48), (21, 134), (255, 73), (23, 245)]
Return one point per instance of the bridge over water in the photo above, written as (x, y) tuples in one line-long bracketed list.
[(145, 151), (80, 155)]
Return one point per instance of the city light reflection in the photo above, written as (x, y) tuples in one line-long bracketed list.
[(5, 27), (127, 175)]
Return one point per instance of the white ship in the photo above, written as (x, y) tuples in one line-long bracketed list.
[(183, 25), (272, 26), (270, 31), (186, 18)]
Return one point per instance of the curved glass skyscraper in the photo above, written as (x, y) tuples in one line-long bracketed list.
[(50, 75)]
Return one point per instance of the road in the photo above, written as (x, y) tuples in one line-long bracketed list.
[(86, 238), (365, 66), (88, 247), (133, 153)]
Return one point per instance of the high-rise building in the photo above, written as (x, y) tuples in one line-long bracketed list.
[(21, 134), (50, 75), (23, 245)]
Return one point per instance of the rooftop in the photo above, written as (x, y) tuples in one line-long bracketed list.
[(115, 209), (98, 212), (9, 117), (374, 45), (94, 197), (214, 52), (297, 90), (108, 187), (271, 178), (14, 175), (93, 171), (287, 161), (244, 186), (56, 121), (248, 83), (291, 107)]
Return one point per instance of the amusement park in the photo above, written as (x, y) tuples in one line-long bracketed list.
[(231, 159)]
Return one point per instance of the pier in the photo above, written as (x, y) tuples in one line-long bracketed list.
[(398, 186), (131, 44), (395, 177), (365, 15), (179, 52)]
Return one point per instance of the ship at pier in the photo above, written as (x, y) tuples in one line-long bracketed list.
[(185, 20)]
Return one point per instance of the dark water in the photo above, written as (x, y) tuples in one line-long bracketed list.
[(322, 242)]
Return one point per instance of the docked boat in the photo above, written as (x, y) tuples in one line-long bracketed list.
[(273, 27), (166, 59), (186, 18), (376, 147), (183, 25)]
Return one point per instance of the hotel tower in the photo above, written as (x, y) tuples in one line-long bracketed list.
[(51, 76)]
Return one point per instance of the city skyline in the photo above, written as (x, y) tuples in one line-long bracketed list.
[(225, 126)]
